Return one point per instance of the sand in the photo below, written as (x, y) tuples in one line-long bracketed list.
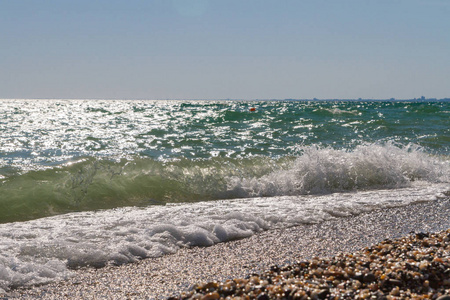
[(159, 278)]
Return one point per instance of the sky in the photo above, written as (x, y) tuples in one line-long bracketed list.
[(237, 49)]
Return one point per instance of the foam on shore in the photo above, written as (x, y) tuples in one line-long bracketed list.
[(158, 278), (48, 249)]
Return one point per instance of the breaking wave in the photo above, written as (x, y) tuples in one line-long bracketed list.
[(94, 183)]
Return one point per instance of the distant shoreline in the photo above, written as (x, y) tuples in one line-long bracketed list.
[(243, 100)]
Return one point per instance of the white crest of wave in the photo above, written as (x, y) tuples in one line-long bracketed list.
[(327, 170)]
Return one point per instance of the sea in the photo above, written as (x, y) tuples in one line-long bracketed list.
[(90, 183)]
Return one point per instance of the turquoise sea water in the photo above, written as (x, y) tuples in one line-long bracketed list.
[(58, 156), (97, 182)]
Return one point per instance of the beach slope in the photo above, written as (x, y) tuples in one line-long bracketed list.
[(170, 275)]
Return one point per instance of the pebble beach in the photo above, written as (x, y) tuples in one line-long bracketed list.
[(414, 267), (395, 253)]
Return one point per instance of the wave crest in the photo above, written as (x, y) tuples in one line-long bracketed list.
[(100, 184), (327, 170)]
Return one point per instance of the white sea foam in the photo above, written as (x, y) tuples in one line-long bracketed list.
[(43, 250), (326, 170)]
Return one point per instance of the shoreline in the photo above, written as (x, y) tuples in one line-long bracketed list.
[(159, 278)]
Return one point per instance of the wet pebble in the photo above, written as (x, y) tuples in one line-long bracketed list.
[(414, 267)]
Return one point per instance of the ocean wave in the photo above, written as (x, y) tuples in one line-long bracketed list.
[(94, 183), (327, 170)]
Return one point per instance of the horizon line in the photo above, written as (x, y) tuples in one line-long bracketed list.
[(422, 98)]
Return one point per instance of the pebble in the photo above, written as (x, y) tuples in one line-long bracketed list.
[(413, 267)]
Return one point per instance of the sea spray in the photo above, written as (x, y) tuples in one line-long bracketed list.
[(327, 170)]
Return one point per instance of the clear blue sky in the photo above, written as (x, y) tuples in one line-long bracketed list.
[(239, 49)]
